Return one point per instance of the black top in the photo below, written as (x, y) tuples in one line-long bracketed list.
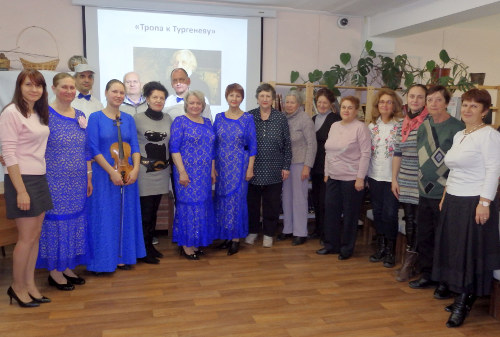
[(274, 148), (321, 137)]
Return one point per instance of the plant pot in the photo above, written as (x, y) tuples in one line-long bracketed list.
[(477, 78), (437, 73)]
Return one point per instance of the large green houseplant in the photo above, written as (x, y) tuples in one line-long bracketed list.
[(346, 72), (388, 70)]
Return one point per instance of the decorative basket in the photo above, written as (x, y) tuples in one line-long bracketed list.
[(48, 65), (4, 62)]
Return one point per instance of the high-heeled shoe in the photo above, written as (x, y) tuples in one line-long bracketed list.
[(193, 256), (42, 299), (66, 287), (200, 252), (233, 248), (75, 280), (12, 295)]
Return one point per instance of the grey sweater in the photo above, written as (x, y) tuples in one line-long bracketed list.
[(303, 137)]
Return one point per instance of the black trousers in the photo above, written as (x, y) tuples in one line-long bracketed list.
[(428, 220), (385, 208), (269, 196), (318, 197), (149, 210), (341, 198)]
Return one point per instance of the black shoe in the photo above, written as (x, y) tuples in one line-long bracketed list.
[(314, 236), (42, 299), (442, 292), (234, 248), (156, 253), (325, 251), (283, 236), (469, 302), (66, 287), (200, 252), (12, 295), (344, 257), (421, 283), (299, 240), (461, 308), (224, 245), (380, 252), (124, 267), (193, 256), (149, 259), (75, 280)]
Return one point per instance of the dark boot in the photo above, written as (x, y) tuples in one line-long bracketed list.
[(461, 308), (390, 254), (470, 301), (380, 252), (233, 248), (408, 269)]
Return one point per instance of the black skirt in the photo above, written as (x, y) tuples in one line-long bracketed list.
[(466, 253), (38, 191)]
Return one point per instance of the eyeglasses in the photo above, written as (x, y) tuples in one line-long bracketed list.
[(385, 102)]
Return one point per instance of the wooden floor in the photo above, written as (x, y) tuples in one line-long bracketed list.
[(282, 291)]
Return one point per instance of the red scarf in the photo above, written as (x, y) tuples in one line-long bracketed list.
[(410, 124)]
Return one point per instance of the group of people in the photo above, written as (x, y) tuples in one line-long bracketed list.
[(441, 171), (84, 182)]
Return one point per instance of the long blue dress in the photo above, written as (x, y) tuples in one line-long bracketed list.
[(236, 141), (63, 241), (194, 219), (105, 201)]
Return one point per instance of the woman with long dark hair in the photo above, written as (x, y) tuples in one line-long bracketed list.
[(23, 133)]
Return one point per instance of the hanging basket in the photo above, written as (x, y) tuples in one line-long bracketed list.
[(47, 65)]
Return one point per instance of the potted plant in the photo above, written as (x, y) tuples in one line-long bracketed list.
[(346, 72), (450, 73)]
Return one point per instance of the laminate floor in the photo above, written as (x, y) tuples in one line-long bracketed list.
[(259, 292)]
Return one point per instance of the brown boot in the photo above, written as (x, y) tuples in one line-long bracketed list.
[(407, 271)]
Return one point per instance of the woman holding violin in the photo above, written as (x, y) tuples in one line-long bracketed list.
[(115, 226)]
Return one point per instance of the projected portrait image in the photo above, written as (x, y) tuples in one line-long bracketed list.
[(202, 66)]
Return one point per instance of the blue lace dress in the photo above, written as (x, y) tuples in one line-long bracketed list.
[(194, 219), (63, 241), (105, 201), (236, 141)]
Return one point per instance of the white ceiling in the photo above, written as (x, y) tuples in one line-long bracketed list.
[(340, 7)]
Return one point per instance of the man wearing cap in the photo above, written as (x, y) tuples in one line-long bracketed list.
[(134, 102), (84, 100), (174, 104)]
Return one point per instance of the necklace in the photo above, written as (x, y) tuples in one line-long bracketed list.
[(468, 132)]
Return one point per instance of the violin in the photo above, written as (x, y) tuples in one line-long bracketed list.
[(120, 152)]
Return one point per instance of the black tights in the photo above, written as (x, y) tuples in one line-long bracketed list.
[(411, 226)]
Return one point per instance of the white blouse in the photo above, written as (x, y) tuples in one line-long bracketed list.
[(383, 137), (474, 163)]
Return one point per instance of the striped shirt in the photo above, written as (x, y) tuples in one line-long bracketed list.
[(408, 173)]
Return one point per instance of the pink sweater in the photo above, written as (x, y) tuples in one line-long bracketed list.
[(23, 141), (348, 150)]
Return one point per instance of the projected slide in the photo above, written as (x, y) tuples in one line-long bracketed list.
[(212, 49)]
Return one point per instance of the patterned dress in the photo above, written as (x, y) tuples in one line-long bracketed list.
[(108, 247), (235, 143), (194, 213), (63, 241)]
